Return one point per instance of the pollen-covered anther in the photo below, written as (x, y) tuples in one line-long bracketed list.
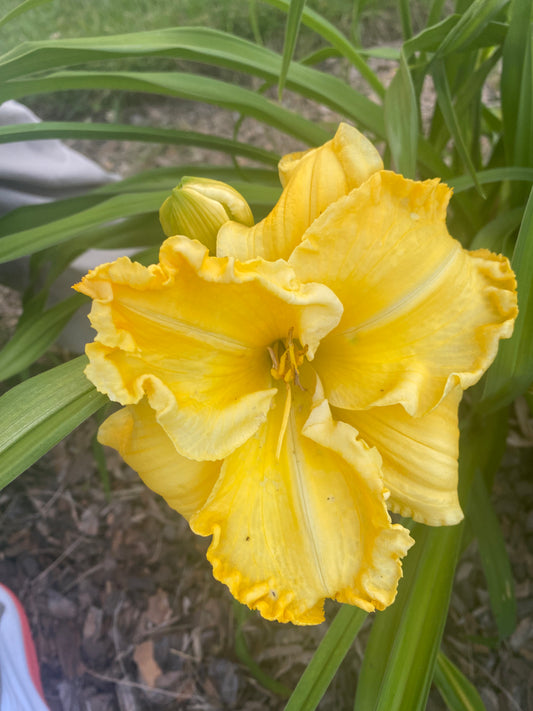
[(287, 367)]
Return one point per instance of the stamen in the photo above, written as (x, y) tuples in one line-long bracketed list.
[(285, 420), (287, 369)]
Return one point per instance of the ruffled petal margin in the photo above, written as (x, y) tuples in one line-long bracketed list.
[(191, 334), (143, 444), (312, 180), (420, 457), (289, 532), (421, 314)]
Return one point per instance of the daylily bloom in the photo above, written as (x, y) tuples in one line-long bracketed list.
[(282, 394)]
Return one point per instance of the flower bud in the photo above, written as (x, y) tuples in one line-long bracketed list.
[(198, 207)]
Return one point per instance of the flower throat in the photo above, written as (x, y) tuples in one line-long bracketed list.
[(286, 368)]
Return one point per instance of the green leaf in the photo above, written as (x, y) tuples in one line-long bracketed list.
[(516, 88), (493, 175), (342, 44), (91, 221), (401, 120), (405, 17), (327, 659), (431, 38), (495, 234), (20, 9), (494, 558), (241, 614), (292, 29), (29, 216), (457, 692), (120, 132), (39, 412), (444, 99), (186, 86), (469, 26), (401, 653), (512, 372), (435, 11), (48, 234), (35, 335), (205, 45)]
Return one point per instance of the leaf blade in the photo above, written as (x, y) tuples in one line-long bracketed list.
[(327, 659), (292, 28), (457, 692), (40, 412)]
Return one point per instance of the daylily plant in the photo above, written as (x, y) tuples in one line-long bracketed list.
[(285, 392)]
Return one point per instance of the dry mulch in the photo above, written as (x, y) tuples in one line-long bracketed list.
[(127, 616)]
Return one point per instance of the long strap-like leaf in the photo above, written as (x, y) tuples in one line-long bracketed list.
[(39, 412)]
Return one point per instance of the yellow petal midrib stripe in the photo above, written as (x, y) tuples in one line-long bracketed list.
[(392, 311), (295, 455), (185, 328)]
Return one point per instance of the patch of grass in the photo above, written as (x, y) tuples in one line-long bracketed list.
[(72, 18)]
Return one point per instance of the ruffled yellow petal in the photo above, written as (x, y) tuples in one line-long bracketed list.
[(421, 314), (419, 457), (191, 333), (312, 181), (143, 444), (289, 532)]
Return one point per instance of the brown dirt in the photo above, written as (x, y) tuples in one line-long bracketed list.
[(127, 616)]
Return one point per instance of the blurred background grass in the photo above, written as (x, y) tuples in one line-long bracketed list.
[(366, 22), (71, 18)]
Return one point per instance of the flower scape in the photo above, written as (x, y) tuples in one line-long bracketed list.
[(285, 393)]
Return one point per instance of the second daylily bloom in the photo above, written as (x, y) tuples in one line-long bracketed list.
[(275, 404)]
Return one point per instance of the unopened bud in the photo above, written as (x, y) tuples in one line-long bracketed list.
[(198, 207)]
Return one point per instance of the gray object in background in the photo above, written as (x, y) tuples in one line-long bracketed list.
[(35, 172)]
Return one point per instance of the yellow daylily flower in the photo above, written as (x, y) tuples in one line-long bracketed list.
[(282, 394)]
